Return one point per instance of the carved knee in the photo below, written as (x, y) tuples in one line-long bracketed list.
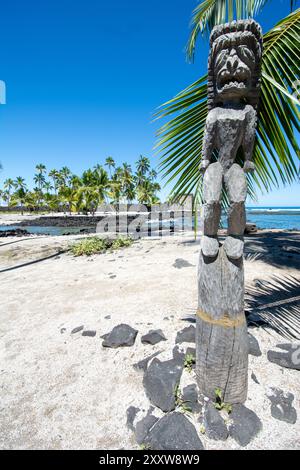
[(236, 184), (212, 183)]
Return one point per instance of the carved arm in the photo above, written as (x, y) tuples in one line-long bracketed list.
[(208, 143), (249, 140)]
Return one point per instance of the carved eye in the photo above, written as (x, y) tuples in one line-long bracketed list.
[(246, 55), (221, 58)]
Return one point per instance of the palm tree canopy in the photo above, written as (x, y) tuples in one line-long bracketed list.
[(110, 162), (143, 165), (211, 12), (20, 183), (41, 168), (276, 152), (9, 183)]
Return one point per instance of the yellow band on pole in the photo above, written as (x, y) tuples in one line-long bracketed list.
[(225, 321)]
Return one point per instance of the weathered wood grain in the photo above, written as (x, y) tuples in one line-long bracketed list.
[(221, 333)]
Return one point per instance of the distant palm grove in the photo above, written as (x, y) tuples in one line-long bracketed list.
[(61, 190)]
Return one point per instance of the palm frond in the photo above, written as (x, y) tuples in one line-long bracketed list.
[(276, 152), (275, 303), (211, 12)]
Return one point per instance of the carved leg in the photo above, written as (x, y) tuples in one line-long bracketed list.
[(212, 187), (236, 185)]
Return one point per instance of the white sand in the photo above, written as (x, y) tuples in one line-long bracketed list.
[(63, 391)]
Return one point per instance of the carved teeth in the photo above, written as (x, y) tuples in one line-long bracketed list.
[(234, 84)]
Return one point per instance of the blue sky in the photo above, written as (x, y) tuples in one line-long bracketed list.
[(84, 77)]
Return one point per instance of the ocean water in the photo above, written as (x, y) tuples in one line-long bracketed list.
[(41, 230), (284, 218)]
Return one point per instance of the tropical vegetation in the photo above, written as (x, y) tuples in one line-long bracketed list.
[(276, 152), (62, 190), (94, 245)]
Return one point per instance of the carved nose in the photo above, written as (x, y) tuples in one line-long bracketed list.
[(232, 63)]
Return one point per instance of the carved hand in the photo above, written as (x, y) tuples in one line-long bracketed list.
[(249, 166), (203, 165)]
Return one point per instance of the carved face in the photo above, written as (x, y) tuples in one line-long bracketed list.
[(233, 67)]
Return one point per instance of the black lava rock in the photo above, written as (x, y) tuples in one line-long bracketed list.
[(174, 432), (120, 336), (246, 424), (91, 333), (143, 427), (160, 381), (254, 348), (153, 337), (190, 398), (215, 427), (77, 329), (143, 364), (187, 335)]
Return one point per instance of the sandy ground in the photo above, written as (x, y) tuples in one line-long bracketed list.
[(63, 391)]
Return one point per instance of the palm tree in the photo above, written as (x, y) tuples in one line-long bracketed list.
[(65, 174), (53, 174), (101, 183), (39, 179), (146, 192), (110, 163), (127, 184), (143, 165), (276, 151), (48, 186), (20, 194), (9, 184), (152, 175), (40, 168), (20, 183), (30, 201)]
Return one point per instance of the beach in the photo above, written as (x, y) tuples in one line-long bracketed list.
[(63, 390)]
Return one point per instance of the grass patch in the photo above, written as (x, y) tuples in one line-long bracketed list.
[(189, 361), (94, 245), (219, 403)]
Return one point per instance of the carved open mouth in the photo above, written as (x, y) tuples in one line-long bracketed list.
[(231, 82)]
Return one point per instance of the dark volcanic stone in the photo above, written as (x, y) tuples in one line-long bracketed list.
[(143, 427), (121, 335), (246, 424), (189, 318), (178, 356), (190, 398), (143, 364), (78, 328), (289, 359), (174, 432), (153, 337), (17, 232), (91, 333), (254, 348), (131, 414), (187, 335), (254, 378), (281, 405), (160, 381), (215, 427)]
